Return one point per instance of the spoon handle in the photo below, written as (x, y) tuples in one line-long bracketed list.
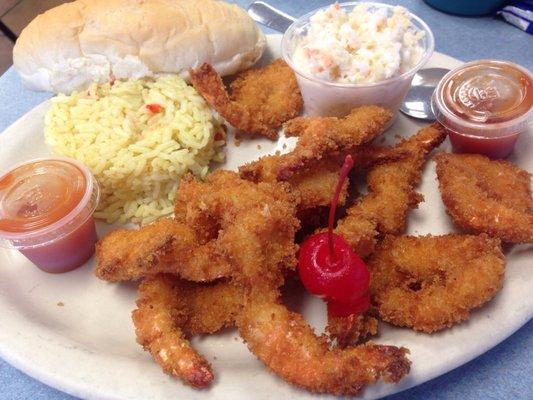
[(267, 15)]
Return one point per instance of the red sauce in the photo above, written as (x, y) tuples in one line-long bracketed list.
[(491, 147), (67, 253), (46, 211), (485, 105)]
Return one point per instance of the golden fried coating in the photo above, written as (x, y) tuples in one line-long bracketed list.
[(432, 282), (316, 186), (163, 246), (392, 185), (252, 219), (321, 137), (391, 195), (288, 346), (351, 330), (210, 307), (384, 210), (189, 245), (261, 99), (255, 226), (282, 339), (161, 312), (258, 224), (224, 202), (482, 195)]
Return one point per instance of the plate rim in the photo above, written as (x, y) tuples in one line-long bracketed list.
[(84, 390)]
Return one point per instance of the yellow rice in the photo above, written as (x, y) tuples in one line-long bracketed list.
[(137, 156)]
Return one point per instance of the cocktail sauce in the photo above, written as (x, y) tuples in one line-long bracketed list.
[(46, 208), (485, 105)]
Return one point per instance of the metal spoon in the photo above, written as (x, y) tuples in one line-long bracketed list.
[(267, 15), (417, 102)]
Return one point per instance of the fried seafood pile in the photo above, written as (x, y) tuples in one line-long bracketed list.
[(251, 228), (224, 257)]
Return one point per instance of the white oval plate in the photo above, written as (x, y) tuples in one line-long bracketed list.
[(87, 346)]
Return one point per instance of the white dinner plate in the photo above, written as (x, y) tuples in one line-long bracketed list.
[(74, 332)]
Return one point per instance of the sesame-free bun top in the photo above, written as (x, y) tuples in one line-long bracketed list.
[(72, 45)]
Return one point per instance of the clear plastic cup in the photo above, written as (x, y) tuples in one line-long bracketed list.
[(485, 105), (325, 98), (46, 212)]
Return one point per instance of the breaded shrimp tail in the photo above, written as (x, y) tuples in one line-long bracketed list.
[(158, 319), (163, 246), (288, 346), (209, 84), (320, 137), (261, 99)]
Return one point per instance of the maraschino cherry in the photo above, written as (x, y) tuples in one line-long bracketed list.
[(330, 268)]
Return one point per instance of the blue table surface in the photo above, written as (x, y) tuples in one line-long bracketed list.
[(504, 372)]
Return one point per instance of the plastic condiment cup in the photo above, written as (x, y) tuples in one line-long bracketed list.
[(46, 212), (326, 98), (485, 105)]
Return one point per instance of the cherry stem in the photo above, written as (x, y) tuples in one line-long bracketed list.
[(345, 170)]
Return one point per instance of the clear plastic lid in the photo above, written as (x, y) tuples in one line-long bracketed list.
[(486, 98), (43, 200)]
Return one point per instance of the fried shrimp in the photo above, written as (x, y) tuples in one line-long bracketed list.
[(289, 347), (383, 210), (163, 246), (391, 193), (320, 137), (488, 196), (221, 205), (253, 225), (258, 224), (315, 186), (432, 282), (161, 313), (282, 339), (167, 308), (261, 99), (189, 245)]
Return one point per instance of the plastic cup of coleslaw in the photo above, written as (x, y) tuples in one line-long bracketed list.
[(330, 97)]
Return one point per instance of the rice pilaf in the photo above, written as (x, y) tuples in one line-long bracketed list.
[(138, 138)]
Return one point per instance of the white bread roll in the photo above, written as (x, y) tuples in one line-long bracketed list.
[(75, 44)]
